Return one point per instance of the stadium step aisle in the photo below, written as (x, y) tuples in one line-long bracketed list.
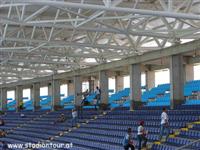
[(183, 136), (110, 129), (106, 131), (14, 121), (41, 128)]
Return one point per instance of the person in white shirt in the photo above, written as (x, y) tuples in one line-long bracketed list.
[(74, 117), (97, 97), (141, 135), (164, 124)]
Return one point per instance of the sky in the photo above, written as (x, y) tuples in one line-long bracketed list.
[(159, 74)]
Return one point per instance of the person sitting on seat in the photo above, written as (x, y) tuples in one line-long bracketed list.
[(2, 123), (21, 105), (84, 101), (61, 119), (127, 141), (2, 112), (2, 133), (22, 115)]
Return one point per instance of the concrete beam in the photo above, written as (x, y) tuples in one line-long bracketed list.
[(193, 60)]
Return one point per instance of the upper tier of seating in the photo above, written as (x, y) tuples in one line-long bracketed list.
[(157, 96)]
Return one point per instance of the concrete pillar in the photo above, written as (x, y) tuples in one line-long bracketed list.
[(96, 83), (50, 89), (119, 83), (35, 95), (189, 72), (18, 96), (3, 93), (70, 88), (103, 80), (77, 90), (55, 94), (91, 85), (150, 79), (135, 85), (176, 80)]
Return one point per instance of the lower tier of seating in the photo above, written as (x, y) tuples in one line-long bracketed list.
[(103, 132)]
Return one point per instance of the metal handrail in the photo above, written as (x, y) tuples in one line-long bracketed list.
[(185, 146)]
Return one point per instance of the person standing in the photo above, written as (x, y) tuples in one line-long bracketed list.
[(164, 124), (141, 135), (2, 123), (74, 117), (127, 141), (83, 103), (97, 97)]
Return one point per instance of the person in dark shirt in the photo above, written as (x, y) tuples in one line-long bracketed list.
[(2, 133), (83, 103), (97, 97), (2, 123), (61, 119), (127, 141)]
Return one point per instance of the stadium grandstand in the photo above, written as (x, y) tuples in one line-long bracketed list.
[(99, 74)]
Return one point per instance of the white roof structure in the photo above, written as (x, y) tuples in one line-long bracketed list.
[(44, 37)]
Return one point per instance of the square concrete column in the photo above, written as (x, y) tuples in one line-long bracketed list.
[(55, 94), (35, 96), (91, 85), (135, 86), (176, 80), (119, 83), (70, 88), (189, 72), (103, 80), (150, 79), (50, 89), (77, 90), (3, 93), (18, 96), (96, 83)]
